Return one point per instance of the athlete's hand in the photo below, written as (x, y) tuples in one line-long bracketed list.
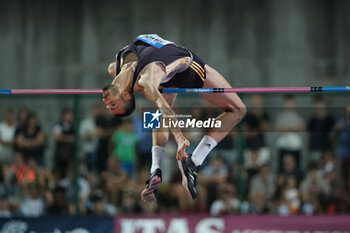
[(182, 145)]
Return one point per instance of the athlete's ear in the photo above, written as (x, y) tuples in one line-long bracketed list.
[(126, 95)]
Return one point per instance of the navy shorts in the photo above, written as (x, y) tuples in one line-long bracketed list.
[(192, 77)]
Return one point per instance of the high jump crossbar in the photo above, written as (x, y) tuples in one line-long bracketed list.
[(183, 90)]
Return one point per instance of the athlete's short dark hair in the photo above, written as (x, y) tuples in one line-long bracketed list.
[(110, 87), (107, 87)]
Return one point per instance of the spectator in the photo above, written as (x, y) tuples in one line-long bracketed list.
[(88, 137), (254, 159), (227, 202), (31, 140), (129, 203), (291, 195), (319, 127), (257, 202), (329, 171), (288, 124), (44, 177), (212, 175), (225, 149), (314, 188), (233, 173), (113, 180), (123, 146), (256, 124), (33, 203), (100, 206), (289, 167), (328, 163), (9, 186), (168, 199), (106, 124), (63, 133), (5, 211), (23, 173), (342, 150), (3, 181), (279, 186), (7, 133), (21, 118), (83, 187), (265, 182), (288, 201), (58, 203), (216, 171)]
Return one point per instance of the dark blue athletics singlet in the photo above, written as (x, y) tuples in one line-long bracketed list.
[(184, 69)]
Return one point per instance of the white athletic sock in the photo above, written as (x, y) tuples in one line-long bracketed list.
[(202, 150), (157, 156)]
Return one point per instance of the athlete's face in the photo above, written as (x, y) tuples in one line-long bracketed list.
[(115, 103)]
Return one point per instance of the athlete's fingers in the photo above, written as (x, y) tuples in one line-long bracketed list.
[(186, 146), (179, 155), (185, 155), (182, 154)]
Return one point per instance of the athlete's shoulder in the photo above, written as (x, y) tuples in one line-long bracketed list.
[(122, 50)]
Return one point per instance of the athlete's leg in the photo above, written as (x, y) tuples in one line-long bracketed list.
[(233, 106), (234, 111), (159, 138)]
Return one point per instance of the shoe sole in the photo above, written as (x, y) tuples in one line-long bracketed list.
[(148, 193), (184, 179)]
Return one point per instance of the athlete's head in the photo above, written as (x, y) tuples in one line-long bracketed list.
[(120, 103)]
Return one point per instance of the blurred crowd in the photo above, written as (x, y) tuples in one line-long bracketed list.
[(304, 170)]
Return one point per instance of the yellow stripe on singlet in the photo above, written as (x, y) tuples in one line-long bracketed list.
[(176, 65), (197, 71), (170, 70), (194, 65), (177, 62), (199, 66)]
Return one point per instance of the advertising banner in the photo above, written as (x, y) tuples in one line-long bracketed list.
[(57, 225), (232, 224)]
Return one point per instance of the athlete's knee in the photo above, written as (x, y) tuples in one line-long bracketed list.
[(243, 110), (238, 108)]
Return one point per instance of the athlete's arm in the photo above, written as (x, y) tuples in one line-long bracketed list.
[(148, 83), (127, 69)]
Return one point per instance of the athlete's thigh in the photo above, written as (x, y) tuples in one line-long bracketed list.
[(223, 100)]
